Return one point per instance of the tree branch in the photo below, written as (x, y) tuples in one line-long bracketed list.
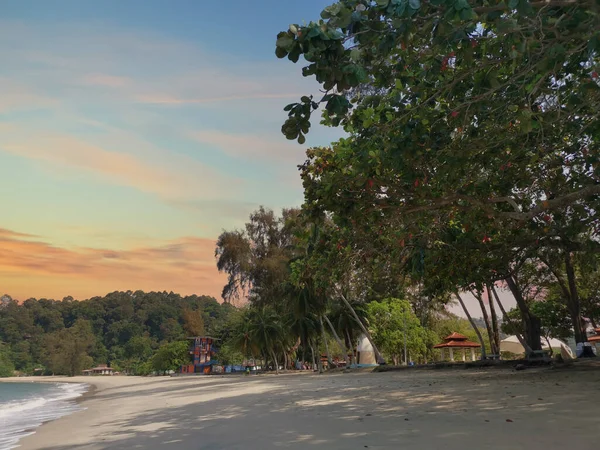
[(548, 205)]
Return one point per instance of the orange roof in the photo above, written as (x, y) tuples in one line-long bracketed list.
[(594, 338), (456, 337), (458, 344)]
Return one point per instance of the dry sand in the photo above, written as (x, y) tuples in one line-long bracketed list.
[(428, 410)]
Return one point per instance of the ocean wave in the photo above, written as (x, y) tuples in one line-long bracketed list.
[(19, 418)]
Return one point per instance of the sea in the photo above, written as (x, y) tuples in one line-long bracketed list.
[(25, 406)]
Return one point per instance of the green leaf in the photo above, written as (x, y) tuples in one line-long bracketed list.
[(280, 52), (512, 4), (313, 32), (301, 139), (414, 4), (459, 5), (285, 41), (466, 14), (294, 55)]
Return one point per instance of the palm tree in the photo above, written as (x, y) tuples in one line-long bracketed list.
[(266, 331), (345, 323)]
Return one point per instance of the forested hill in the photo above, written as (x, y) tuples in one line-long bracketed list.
[(123, 329)]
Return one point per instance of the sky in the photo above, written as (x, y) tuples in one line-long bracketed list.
[(132, 133)]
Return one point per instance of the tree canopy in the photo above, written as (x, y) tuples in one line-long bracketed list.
[(123, 329), (472, 129)]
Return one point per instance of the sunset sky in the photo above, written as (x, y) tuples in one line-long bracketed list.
[(133, 132)]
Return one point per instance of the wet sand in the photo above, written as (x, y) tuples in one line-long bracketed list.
[(533, 409)]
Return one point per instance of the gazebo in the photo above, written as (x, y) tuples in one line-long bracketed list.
[(457, 341)]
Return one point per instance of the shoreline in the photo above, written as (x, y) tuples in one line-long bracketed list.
[(65, 406), (427, 409)]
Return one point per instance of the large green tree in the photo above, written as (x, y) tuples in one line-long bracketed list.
[(171, 356), (481, 114), (256, 259), (7, 368), (69, 349), (395, 326)]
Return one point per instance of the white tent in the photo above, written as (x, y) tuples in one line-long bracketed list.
[(511, 344), (366, 353)]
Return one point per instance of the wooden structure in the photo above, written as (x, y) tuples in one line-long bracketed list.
[(595, 340), (457, 341), (100, 370), (202, 350)]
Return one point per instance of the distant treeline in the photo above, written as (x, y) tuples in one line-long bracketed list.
[(122, 329)]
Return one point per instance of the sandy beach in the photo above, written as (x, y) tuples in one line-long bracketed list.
[(449, 410)]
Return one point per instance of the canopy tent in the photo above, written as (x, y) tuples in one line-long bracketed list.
[(512, 345)]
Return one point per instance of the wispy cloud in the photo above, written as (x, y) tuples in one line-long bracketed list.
[(186, 265), (138, 67), (100, 79), (169, 100), (251, 146), (16, 96), (120, 167), (9, 234)]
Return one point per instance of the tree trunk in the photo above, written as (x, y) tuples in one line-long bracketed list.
[(505, 316), (296, 346), (549, 346), (494, 316), (479, 336), (573, 302), (533, 332), (380, 359), (352, 348), (275, 361), (329, 360), (303, 353), (486, 319), (337, 338), (314, 362)]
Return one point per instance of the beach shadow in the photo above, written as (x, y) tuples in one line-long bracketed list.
[(446, 411)]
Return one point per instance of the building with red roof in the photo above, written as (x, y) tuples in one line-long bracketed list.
[(457, 341)]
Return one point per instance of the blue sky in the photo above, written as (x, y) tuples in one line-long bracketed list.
[(139, 128)]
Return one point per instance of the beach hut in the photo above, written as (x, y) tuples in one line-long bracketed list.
[(100, 370), (457, 341), (202, 350)]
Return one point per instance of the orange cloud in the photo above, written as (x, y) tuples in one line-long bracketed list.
[(184, 179), (33, 268)]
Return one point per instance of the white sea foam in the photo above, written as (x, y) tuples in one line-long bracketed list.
[(20, 417)]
